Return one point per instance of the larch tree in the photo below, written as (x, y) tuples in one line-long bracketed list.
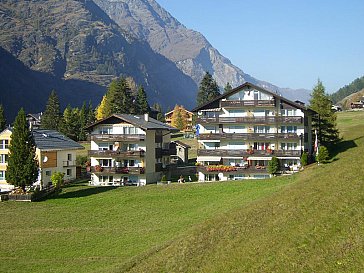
[(2, 118), (325, 122), (101, 109), (22, 167), (208, 90), (52, 114), (178, 119)]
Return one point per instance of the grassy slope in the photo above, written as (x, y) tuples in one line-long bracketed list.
[(314, 225), (311, 222), (98, 229)]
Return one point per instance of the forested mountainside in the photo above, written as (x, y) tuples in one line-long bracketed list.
[(353, 87), (75, 48), (346, 102)]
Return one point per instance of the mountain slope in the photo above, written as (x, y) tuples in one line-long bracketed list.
[(353, 87), (71, 40), (189, 49)]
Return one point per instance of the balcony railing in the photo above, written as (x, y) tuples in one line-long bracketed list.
[(117, 137), (232, 169), (116, 154), (118, 170), (69, 163), (244, 103), (246, 153), (252, 120), (248, 136)]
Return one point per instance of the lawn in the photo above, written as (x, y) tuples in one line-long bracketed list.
[(309, 222)]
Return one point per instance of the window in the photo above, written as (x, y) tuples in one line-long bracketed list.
[(69, 157), (288, 129), (48, 173), (3, 158), (236, 145), (129, 130), (210, 129), (105, 130), (105, 162), (289, 146), (69, 172), (261, 129), (236, 113), (4, 144), (2, 175), (105, 146)]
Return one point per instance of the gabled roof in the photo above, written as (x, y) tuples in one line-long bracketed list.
[(180, 143), (250, 85), (36, 116), (53, 140), (8, 129), (138, 121), (173, 111)]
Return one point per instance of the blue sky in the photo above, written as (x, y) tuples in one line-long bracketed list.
[(290, 43)]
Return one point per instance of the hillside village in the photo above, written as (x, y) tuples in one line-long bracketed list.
[(129, 144)]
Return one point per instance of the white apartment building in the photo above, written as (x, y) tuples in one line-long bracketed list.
[(240, 131), (128, 149)]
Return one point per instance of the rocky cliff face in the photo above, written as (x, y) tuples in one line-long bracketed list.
[(75, 40)]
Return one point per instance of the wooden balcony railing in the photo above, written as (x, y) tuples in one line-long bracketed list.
[(116, 154), (251, 120), (69, 163), (246, 153), (118, 170), (115, 137), (248, 136), (244, 103)]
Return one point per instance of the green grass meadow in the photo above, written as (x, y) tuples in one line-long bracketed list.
[(312, 221)]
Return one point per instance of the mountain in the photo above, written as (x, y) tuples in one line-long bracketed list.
[(68, 42), (353, 87), (346, 102), (188, 49)]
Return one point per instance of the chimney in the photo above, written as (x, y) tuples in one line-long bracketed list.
[(146, 117)]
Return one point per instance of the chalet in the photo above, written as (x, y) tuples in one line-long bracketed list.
[(187, 114), (34, 120), (54, 151), (240, 131), (129, 149)]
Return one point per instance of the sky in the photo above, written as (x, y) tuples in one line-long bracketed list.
[(289, 43)]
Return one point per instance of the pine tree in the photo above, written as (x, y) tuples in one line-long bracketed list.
[(52, 115), (142, 102), (101, 109), (227, 87), (208, 90), (119, 99), (90, 114), (2, 118), (325, 123), (22, 164), (160, 115), (273, 166), (82, 122)]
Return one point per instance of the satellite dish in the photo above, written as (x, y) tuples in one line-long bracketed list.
[(45, 159)]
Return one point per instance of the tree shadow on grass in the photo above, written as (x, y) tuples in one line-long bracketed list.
[(82, 192), (343, 146)]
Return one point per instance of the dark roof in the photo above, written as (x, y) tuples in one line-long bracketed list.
[(182, 144), (36, 116), (53, 140), (138, 121), (248, 84)]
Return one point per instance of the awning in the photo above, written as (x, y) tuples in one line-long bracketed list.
[(292, 157), (259, 158), (208, 158)]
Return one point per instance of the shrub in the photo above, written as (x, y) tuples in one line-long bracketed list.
[(164, 178), (323, 155), (57, 179), (273, 165), (304, 159)]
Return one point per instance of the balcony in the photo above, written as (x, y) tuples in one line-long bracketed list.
[(247, 153), (116, 154), (115, 137), (118, 170), (249, 136), (232, 169), (245, 103), (69, 163), (251, 120)]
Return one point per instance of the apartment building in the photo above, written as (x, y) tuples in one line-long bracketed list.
[(240, 131), (54, 151), (129, 149)]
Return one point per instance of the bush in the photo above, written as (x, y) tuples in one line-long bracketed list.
[(304, 159), (323, 155), (164, 178), (273, 165), (57, 179)]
